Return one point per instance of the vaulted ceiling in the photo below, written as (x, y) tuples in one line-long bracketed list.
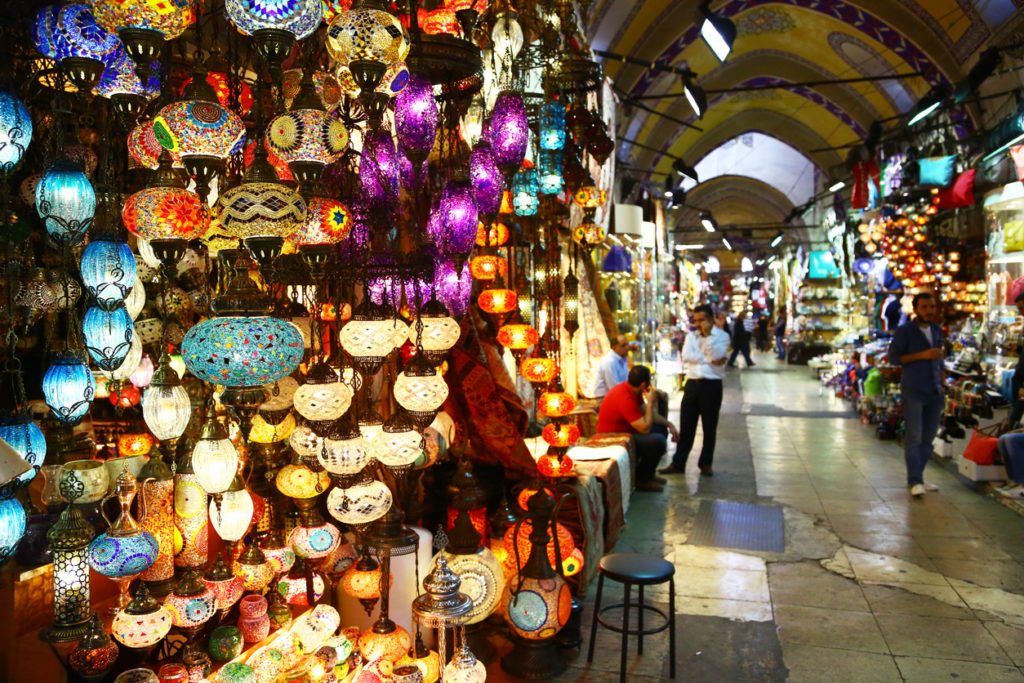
[(782, 41)]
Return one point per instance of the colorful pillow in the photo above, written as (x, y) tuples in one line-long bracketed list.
[(936, 171)]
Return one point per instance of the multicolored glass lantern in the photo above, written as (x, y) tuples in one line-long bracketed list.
[(454, 286), (361, 503), (348, 455), (261, 209), (242, 351), (191, 603), (251, 566), (95, 653), (202, 133), (142, 623), (458, 216), (69, 386), (416, 118), (561, 435), (497, 301), (66, 203), (108, 336), (588, 236), (525, 191), (166, 212), (130, 445), (517, 337), (538, 370), (265, 432), (298, 481), (221, 84), (314, 542), (378, 167), (297, 17), (293, 587), (15, 130), (508, 131), (307, 135), (495, 237), (108, 270), (157, 490), (369, 336), (328, 221), (421, 389), (362, 581), (552, 125), (391, 645), (190, 516), (589, 197), (367, 32)]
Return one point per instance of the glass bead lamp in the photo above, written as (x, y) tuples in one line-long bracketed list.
[(552, 125), (459, 218), (328, 221), (242, 351), (15, 131), (142, 623), (454, 286), (416, 119), (166, 407), (361, 503), (251, 566), (108, 271), (12, 527), (508, 131), (279, 555), (399, 444), (550, 178), (525, 191), (69, 539), (66, 203), (517, 337), (274, 26), (143, 26), (368, 337), (366, 33), (323, 396), (421, 389), (486, 179), (157, 489), (214, 459), (69, 386), (23, 435), (165, 209), (298, 481), (108, 336), (556, 403), (95, 653), (440, 331)]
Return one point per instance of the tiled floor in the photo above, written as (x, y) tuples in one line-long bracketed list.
[(872, 586)]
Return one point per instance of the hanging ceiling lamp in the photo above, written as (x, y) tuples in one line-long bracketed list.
[(15, 131), (361, 503), (368, 337), (517, 337), (416, 119), (22, 434), (539, 370), (143, 26), (243, 351), (323, 396), (497, 300), (108, 336), (275, 26), (525, 192), (458, 217), (121, 85), (66, 203), (165, 209), (214, 458), (488, 184), (440, 331), (108, 270), (166, 407), (399, 444), (379, 168), (82, 48), (508, 132), (421, 389)]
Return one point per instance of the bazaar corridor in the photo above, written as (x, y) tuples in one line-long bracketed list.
[(872, 585)]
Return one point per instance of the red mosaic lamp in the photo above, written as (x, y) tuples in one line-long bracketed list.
[(517, 337), (556, 402)]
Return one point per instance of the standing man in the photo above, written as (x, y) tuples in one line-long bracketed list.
[(612, 369), (740, 340), (917, 346), (780, 335), (630, 407), (703, 357), (1017, 392)]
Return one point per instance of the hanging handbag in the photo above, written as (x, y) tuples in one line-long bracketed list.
[(981, 449)]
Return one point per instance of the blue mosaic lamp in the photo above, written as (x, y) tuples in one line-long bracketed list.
[(15, 131), (66, 202), (108, 271), (125, 550), (550, 180), (83, 48), (241, 351), (275, 25), (69, 387), (525, 189), (25, 437), (108, 335), (12, 527), (552, 125)]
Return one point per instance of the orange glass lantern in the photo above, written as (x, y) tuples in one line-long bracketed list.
[(556, 403), (125, 397), (487, 267), (566, 545), (440, 21), (524, 496), (561, 436), (517, 336), (553, 466), (589, 197), (506, 203), (222, 89), (498, 236), (497, 301), (134, 444), (588, 235), (477, 517), (539, 371)]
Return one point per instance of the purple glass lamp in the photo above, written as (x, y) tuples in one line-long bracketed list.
[(453, 286), (378, 169), (416, 119), (509, 133), (485, 176), (458, 219)]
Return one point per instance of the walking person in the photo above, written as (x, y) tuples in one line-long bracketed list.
[(630, 407), (740, 340), (780, 335), (917, 346), (704, 355)]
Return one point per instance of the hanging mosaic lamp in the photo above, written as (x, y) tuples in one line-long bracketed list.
[(323, 396), (82, 48), (368, 337), (517, 338), (142, 623), (421, 389), (108, 271), (454, 286), (66, 203), (497, 301), (439, 334), (15, 131), (538, 370), (525, 191), (275, 26), (108, 336), (400, 444), (508, 131), (22, 434), (143, 26), (242, 351), (359, 504), (69, 387), (12, 527), (328, 221), (416, 119), (556, 402), (459, 218), (379, 168), (485, 176), (227, 588), (347, 453), (495, 237), (549, 177), (552, 125), (165, 209)]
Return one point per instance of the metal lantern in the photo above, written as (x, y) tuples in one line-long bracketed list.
[(442, 605), (439, 333), (69, 386), (142, 623), (552, 125), (323, 396), (214, 459), (66, 203), (420, 388), (550, 179), (69, 538), (22, 434)]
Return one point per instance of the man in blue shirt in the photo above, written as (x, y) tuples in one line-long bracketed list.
[(917, 346), (612, 369)]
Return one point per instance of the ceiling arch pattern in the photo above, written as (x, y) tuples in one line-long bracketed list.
[(971, 28), (866, 61)]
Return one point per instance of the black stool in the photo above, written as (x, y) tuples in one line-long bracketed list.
[(642, 570)]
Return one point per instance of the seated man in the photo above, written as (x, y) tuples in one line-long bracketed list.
[(624, 410)]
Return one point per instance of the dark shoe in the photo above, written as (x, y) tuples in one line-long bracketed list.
[(706, 472), (730, 365), (650, 486), (751, 365), (659, 480), (671, 469)]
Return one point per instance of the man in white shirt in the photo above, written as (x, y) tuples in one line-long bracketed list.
[(613, 369), (704, 354)]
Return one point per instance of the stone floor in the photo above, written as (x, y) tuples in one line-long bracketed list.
[(872, 585)]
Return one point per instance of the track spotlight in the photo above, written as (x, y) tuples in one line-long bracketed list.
[(726, 242), (708, 221), (928, 104), (685, 170), (718, 32), (837, 185), (695, 95), (668, 187), (777, 240)]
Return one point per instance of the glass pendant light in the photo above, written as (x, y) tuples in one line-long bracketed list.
[(525, 191), (359, 504), (108, 270), (439, 334), (416, 119), (66, 203), (108, 336), (399, 444), (15, 131), (508, 131), (214, 458), (69, 386), (12, 527), (143, 26), (233, 516), (253, 569), (242, 351), (346, 453), (166, 407), (368, 337), (22, 434), (165, 209), (323, 396), (142, 623), (274, 25), (420, 388)]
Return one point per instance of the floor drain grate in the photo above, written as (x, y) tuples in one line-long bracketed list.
[(743, 526)]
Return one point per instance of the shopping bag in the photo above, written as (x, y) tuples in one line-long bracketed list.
[(981, 449)]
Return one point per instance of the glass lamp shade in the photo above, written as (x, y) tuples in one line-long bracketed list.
[(305, 442), (122, 556), (537, 608), (119, 78), (215, 462), (166, 410), (130, 363), (95, 653), (453, 287), (508, 131), (440, 331), (566, 546), (323, 397), (345, 456), (464, 667), (221, 84), (517, 336), (12, 527), (525, 188), (265, 432), (552, 126), (550, 179), (242, 351), (144, 149), (429, 665), (298, 481), (482, 580), (261, 210), (589, 197), (108, 271), (458, 218), (487, 267), (362, 580), (166, 212), (15, 130), (68, 387), (108, 336), (554, 466), (66, 203), (485, 177), (191, 610), (416, 116), (538, 371), (198, 127), (307, 135), (378, 167), (314, 542), (588, 235), (370, 338), (495, 237), (420, 392), (141, 630), (125, 397), (255, 576), (143, 374), (298, 17), (395, 79), (73, 32), (366, 33), (438, 21), (279, 559), (397, 445), (293, 588), (507, 36), (562, 435), (226, 592), (359, 504), (556, 403), (129, 445), (234, 515), (280, 394), (497, 301), (314, 627), (391, 646), (26, 438), (169, 18), (328, 221)]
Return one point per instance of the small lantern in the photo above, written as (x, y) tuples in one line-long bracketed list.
[(142, 623)]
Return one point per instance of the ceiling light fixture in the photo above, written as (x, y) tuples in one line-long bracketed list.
[(685, 170), (695, 95), (718, 32), (928, 104), (708, 221), (837, 185), (777, 240), (726, 242)]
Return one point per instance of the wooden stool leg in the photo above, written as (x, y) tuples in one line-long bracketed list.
[(625, 633), (672, 628), (593, 619), (640, 619)]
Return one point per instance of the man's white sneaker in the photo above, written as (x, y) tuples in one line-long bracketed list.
[(928, 486), (917, 490), (1016, 492)]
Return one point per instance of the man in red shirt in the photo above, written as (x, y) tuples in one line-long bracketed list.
[(624, 410)]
